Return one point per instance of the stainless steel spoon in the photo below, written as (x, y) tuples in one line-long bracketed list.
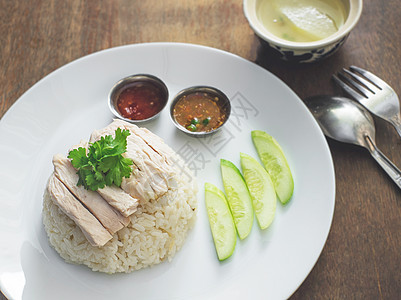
[(347, 121)]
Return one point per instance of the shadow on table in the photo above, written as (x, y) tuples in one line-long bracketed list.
[(305, 79)]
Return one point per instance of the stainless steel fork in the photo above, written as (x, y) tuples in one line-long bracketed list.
[(373, 93)]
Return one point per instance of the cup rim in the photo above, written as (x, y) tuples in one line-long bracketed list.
[(355, 12)]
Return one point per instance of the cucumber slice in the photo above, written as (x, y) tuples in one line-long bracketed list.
[(238, 198), (261, 188), (221, 221), (273, 158)]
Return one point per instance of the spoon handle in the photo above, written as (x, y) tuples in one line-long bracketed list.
[(397, 128), (384, 162), (396, 122)]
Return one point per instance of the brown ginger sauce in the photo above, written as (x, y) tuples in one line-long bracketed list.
[(199, 112)]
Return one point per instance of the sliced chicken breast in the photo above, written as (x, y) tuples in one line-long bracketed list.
[(155, 142), (123, 202), (93, 230), (111, 219), (158, 146), (152, 174), (119, 199)]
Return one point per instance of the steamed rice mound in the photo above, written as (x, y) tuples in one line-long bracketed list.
[(156, 232)]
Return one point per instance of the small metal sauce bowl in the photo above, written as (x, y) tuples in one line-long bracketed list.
[(121, 84), (223, 103)]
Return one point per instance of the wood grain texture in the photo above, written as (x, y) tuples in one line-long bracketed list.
[(361, 259)]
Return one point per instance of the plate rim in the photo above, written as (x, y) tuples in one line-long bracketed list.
[(14, 106)]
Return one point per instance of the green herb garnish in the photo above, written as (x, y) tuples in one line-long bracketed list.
[(206, 121), (195, 121), (103, 164), (192, 127)]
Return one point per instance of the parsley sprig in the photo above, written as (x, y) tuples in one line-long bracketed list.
[(103, 164)]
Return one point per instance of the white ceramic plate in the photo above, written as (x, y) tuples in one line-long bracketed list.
[(70, 103)]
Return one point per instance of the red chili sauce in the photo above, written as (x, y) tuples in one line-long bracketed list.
[(199, 112), (140, 100)]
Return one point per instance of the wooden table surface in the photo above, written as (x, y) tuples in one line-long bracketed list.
[(362, 257)]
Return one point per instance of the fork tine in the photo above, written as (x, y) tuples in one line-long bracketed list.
[(373, 88), (365, 92), (373, 78), (348, 89)]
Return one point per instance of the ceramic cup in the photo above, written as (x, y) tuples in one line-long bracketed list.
[(304, 52)]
